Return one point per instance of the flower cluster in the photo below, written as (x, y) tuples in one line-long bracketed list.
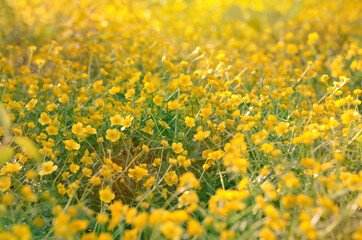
[(200, 119)]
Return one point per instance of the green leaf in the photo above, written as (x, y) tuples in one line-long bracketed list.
[(6, 154), (29, 147)]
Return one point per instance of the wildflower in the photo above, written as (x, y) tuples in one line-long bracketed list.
[(156, 162), (114, 90), (71, 144), (78, 225), (138, 172), (64, 98), (38, 222), (188, 179), (52, 130), (31, 104), (206, 112), (200, 135), (149, 182), (158, 100), (130, 92), (312, 38), (74, 168), (177, 147), (13, 167), (22, 232), (289, 201), (267, 147), (89, 130), (127, 121), (95, 181), (194, 228), (171, 178), (5, 184), (28, 193), (171, 230), (87, 172), (105, 236), (281, 128), (308, 162), (190, 122), (31, 174), (78, 129), (102, 218), (106, 195), (290, 180), (47, 168), (116, 119), (44, 119), (349, 116), (173, 105), (267, 234), (113, 135)]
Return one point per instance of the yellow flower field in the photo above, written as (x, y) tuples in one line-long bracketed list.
[(180, 119)]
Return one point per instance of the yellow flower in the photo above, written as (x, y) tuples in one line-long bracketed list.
[(13, 167), (307, 162), (52, 130), (44, 119), (102, 218), (171, 230), (149, 182), (205, 112), (106, 195), (114, 90), (267, 147), (5, 184), (173, 105), (145, 148), (74, 167), (312, 38), (28, 193), (116, 119), (113, 135), (64, 98), (267, 234), (105, 236), (177, 147), (188, 179), (127, 121), (158, 100), (31, 104), (78, 225), (22, 232), (38, 222), (138, 172), (130, 92), (87, 172), (190, 122), (48, 168), (95, 181), (171, 178), (281, 128), (201, 135), (31, 174), (89, 130), (78, 129), (71, 144), (349, 116)]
